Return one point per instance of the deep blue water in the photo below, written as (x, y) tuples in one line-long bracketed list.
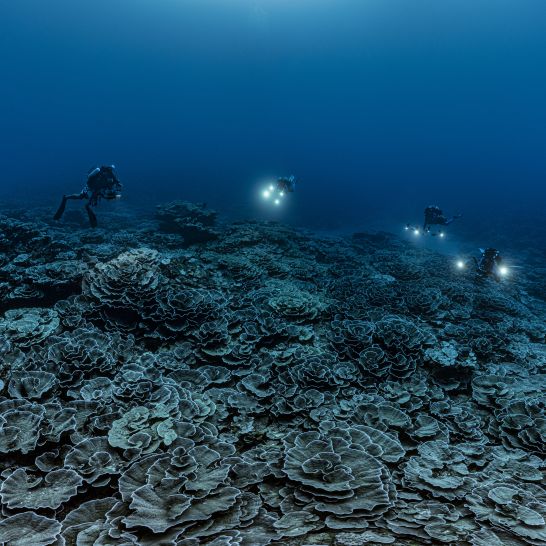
[(379, 107)]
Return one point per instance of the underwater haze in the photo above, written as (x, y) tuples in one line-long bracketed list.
[(307, 307), (378, 107)]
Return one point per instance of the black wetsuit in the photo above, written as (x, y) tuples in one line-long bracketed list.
[(489, 263), (102, 183), (435, 217), (287, 185)]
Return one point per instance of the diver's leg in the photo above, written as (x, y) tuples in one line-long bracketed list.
[(62, 206), (91, 214)]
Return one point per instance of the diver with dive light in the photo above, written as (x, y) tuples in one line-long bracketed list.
[(102, 183), (490, 264), (284, 185), (434, 216)]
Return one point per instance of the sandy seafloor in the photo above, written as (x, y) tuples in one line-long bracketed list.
[(264, 385)]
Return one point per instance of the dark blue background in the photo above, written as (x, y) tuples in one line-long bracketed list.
[(380, 107)]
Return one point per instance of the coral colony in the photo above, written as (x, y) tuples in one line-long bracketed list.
[(186, 383)]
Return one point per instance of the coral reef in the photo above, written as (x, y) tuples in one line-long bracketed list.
[(252, 384), (193, 221)]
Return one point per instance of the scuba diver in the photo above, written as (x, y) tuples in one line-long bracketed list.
[(286, 184), (283, 186), (102, 183), (490, 264), (434, 216)]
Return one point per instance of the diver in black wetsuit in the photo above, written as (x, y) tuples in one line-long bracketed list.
[(490, 264), (286, 184), (102, 183), (435, 217)]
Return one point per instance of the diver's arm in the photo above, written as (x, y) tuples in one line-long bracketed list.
[(454, 217)]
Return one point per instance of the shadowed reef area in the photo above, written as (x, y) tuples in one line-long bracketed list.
[(172, 380)]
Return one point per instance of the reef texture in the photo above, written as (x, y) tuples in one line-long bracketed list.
[(263, 386)]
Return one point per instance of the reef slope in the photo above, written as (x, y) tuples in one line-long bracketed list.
[(253, 384)]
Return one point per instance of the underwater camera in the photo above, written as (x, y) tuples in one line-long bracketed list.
[(112, 193)]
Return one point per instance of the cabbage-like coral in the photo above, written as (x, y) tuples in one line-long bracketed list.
[(27, 385), (160, 501), (124, 287), (19, 427), (82, 353), (142, 429), (22, 490), (441, 470), (94, 460), (340, 474), (267, 386), (286, 300), (518, 511), (29, 529), (193, 221), (522, 424), (351, 337), (181, 312), (28, 327)]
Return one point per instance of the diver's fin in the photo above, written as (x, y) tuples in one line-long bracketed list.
[(60, 210)]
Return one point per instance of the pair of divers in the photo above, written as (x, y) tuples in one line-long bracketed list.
[(434, 217), (489, 264), (102, 183)]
